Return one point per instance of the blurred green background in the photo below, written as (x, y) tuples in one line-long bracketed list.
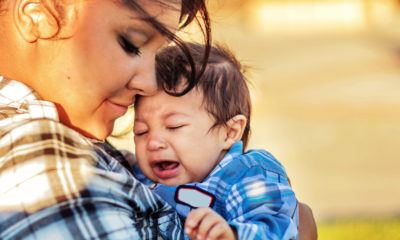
[(325, 88)]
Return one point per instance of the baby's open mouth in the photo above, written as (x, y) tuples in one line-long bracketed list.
[(166, 165), (166, 169)]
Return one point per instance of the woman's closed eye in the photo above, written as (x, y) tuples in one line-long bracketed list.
[(128, 46)]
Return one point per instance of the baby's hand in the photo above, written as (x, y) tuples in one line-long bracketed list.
[(205, 224)]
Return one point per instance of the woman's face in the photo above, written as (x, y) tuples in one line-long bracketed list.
[(109, 58)]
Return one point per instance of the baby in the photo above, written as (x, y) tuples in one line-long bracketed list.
[(193, 147)]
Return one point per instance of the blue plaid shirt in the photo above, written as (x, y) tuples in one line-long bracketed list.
[(56, 184), (250, 191)]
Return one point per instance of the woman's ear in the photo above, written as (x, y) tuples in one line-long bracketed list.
[(234, 130), (34, 20)]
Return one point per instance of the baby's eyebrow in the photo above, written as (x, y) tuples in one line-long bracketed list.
[(137, 119), (174, 113)]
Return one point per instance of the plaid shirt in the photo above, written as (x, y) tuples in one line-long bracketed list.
[(56, 184), (251, 192)]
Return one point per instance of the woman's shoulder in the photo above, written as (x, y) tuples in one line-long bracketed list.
[(25, 118)]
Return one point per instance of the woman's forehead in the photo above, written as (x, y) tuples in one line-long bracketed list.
[(166, 12), (151, 7)]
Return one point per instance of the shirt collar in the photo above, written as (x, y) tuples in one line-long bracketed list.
[(23, 99), (235, 151)]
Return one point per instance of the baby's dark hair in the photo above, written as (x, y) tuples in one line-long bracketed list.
[(223, 83)]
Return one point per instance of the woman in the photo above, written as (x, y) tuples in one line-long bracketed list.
[(79, 65), (68, 69)]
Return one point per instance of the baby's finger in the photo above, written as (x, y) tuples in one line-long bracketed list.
[(193, 234), (221, 230), (194, 218), (209, 221)]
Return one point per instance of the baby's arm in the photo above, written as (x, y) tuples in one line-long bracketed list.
[(263, 208), (204, 223)]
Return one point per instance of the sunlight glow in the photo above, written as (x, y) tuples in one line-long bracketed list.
[(313, 15), (257, 188)]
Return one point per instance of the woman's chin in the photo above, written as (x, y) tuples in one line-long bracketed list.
[(95, 131)]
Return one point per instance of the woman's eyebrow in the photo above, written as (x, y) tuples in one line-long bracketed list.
[(146, 34), (138, 29), (131, 5)]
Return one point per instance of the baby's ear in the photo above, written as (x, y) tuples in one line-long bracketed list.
[(234, 130), (34, 21)]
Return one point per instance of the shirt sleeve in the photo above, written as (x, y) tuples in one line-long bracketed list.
[(262, 206), (53, 185)]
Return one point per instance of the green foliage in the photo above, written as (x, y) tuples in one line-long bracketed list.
[(360, 229)]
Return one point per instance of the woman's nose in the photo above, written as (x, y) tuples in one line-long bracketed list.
[(144, 79)]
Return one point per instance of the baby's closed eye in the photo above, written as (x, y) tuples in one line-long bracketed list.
[(175, 127)]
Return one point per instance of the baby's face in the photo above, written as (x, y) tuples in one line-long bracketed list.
[(173, 141)]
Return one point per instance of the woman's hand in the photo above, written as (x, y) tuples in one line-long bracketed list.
[(204, 223)]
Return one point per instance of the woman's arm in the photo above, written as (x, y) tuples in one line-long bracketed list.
[(307, 226)]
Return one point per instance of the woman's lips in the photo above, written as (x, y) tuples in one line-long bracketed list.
[(165, 169), (117, 109)]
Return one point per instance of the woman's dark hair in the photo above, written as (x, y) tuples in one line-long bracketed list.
[(223, 83), (191, 10)]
